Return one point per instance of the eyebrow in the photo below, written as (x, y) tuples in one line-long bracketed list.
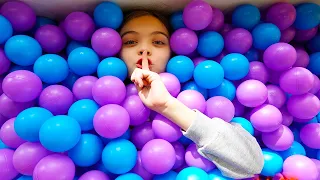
[(155, 32)]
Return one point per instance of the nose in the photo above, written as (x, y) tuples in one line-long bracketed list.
[(144, 46), (142, 50)]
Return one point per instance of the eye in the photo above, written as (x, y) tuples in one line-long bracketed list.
[(130, 42), (158, 42)]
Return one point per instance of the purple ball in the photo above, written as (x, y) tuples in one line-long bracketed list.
[(238, 107), (4, 63), (296, 81), (51, 38), (299, 167), (10, 109), (82, 88), (282, 15), (111, 121), (184, 41), (220, 107), (278, 140), (316, 85), (1, 80), (197, 15), (55, 166), (309, 135), (57, 99), (165, 129), (302, 58), (287, 119), (138, 112), (238, 40), (193, 100), (2, 119), (27, 156), (9, 136), (142, 134), (305, 35), (217, 20), (198, 60), (274, 76), (106, 42), (221, 56), (252, 93), (109, 90), (225, 29), (287, 35), (258, 71), (180, 152), (279, 56), (158, 156), (171, 82), (131, 89), (79, 26), (140, 170), (266, 118), (193, 158), (276, 96), (94, 175), (22, 86), (21, 16), (8, 171)]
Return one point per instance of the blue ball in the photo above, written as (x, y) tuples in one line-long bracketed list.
[(272, 163), (252, 55), (318, 117), (22, 50), (246, 16), (17, 67), (25, 178), (28, 123), (210, 44), (83, 61), (83, 111), (129, 176), (126, 136), (295, 148), (185, 141), (308, 16), (41, 21), (2, 145), (314, 44), (235, 66), (191, 85), (264, 35), (74, 45), (70, 80), (171, 175), (113, 66), (51, 68), (119, 156), (225, 89), (314, 62), (296, 133), (176, 20), (193, 173), (182, 67), (108, 14), (216, 175), (208, 74), (6, 29), (244, 123), (60, 133), (311, 153), (88, 150)]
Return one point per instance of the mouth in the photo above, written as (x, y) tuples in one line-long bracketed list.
[(139, 63)]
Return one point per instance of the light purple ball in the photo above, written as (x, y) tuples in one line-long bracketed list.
[(302, 58), (266, 118), (282, 15), (158, 156), (193, 158), (239, 108), (4, 63), (276, 96), (106, 42), (171, 82), (197, 15), (252, 93), (109, 90), (279, 56), (220, 107), (82, 88), (9, 136), (278, 140), (94, 175), (317, 163), (165, 129), (142, 134), (131, 89), (225, 29), (217, 20), (287, 119), (300, 167), (140, 170), (193, 100), (305, 35), (258, 71), (183, 41), (51, 38), (316, 85), (21, 16), (22, 86), (287, 35), (10, 109), (27, 156), (138, 112), (57, 99), (238, 40), (79, 26), (309, 135), (8, 171), (55, 166), (180, 153), (198, 60), (111, 121)]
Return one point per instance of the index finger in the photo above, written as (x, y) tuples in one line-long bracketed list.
[(145, 62)]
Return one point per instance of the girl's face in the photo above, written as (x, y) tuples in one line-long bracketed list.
[(145, 33)]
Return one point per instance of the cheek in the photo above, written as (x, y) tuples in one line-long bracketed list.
[(163, 58), (129, 59)]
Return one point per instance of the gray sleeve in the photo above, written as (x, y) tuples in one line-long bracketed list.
[(231, 148)]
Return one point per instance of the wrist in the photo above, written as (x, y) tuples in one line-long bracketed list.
[(169, 105)]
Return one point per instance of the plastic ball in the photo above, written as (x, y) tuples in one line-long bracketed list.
[(235, 66), (302, 58), (116, 90), (4, 62), (194, 159), (304, 106), (216, 175), (182, 67), (244, 123), (129, 176), (176, 20), (300, 167), (83, 61), (51, 38), (108, 14), (272, 162), (79, 26), (22, 50), (6, 156), (266, 118), (198, 60), (225, 29), (246, 16), (10, 109), (316, 85), (276, 96), (278, 140), (42, 21), (264, 35), (55, 166), (82, 88), (137, 111), (193, 173), (180, 154), (142, 134), (287, 35), (94, 175), (210, 44), (126, 135), (208, 74), (238, 40), (171, 175), (183, 41), (305, 35), (106, 42), (313, 64), (70, 80), (287, 119), (171, 82), (308, 16), (191, 85), (113, 66), (193, 100), (258, 71), (197, 15), (131, 89), (74, 45), (295, 148), (252, 93), (217, 20), (9, 136), (165, 129), (314, 43), (25, 178), (140, 170), (15, 67), (6, 29), (252, 55), (309, 135), (220, 107), (282, 15)]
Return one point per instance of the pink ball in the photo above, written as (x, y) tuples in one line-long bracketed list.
[(252, 93), (302, 58), (131, 89), (10, 109), (142, 134), (278, 140), (287, 35), (94, 175), (79, 26), (197, 15), (238, 40), (137, 111), (180, 153), (217, 20), (304, 106), (106, 42), (82, 88), (299, 167), (316, 85), (193, 100), (171, 82), (276, 96), (221, 107), (258, 71), (193, 158), (111, 121), (9, 136), (27, 156), (287, 119), (183, 41), (140, 170), (4, 62), (266, 118), (309, 135), (7, 169), (165, 129)]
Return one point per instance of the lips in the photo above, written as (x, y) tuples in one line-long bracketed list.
[(139, 63)]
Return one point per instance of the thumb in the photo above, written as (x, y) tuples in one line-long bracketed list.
[(145, 62)]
